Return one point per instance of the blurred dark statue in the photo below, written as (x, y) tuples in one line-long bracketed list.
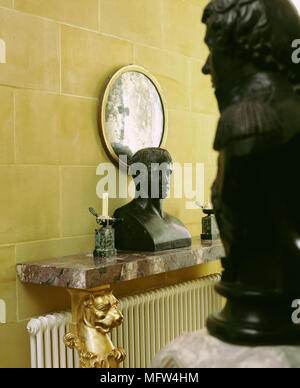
[(146, 227), (256, 195)]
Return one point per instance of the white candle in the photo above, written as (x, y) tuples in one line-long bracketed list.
[(105, 205)]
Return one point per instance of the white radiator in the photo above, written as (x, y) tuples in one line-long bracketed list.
[(47, 349), (151, 320)]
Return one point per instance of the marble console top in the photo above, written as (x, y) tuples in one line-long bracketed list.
[(84, 272)]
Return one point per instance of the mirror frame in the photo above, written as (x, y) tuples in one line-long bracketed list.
[(103, 101)]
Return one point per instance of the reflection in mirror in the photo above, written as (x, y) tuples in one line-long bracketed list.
[(133, 113)]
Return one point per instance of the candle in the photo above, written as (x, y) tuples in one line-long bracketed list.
[(208, 205), (105, 205)]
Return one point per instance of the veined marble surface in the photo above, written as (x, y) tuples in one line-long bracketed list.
[(200, 350), (84, 272)]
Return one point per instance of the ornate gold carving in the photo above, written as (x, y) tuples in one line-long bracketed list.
[(96, 315)]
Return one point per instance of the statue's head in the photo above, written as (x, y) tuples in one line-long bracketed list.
[(258, 134), (247, 36), (151, 169)]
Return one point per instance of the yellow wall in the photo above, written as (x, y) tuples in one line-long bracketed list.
[(59, 55)]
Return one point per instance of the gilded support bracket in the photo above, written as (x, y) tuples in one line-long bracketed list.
[(95, 314)]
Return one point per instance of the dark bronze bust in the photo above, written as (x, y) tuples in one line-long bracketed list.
[(145, 226), (256, 194)]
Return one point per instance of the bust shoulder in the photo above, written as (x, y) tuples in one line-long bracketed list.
[(131, 234), (247, 127), (145, 230), (172, 219), (125, 209)]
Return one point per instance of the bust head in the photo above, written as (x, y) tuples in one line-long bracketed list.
[(146, 226), (258, 137), (151, 169), (248, 36)]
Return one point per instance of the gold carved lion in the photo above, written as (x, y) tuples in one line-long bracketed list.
[(96, 317)]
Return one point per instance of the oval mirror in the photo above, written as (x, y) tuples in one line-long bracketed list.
[(133, 114)]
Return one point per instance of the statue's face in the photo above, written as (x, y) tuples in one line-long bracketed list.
[(211, 66), (152, 178), (160, 180), (224, 69)]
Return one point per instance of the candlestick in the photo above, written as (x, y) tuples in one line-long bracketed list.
[(105, 205), (105, 237)]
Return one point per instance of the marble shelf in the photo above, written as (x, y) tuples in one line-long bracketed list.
[(84, 272)]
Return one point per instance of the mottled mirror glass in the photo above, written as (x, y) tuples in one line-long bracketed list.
[(134, 114)]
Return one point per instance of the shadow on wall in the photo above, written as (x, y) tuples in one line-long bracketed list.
[(34, 300)]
